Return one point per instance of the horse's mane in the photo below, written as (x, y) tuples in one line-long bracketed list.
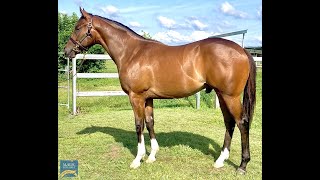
[(124, 27)]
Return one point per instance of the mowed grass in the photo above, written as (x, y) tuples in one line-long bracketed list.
[(102, 137)]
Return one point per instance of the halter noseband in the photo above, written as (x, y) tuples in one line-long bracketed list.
[(79, 47)]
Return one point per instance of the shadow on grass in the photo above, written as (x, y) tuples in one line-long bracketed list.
[(170, 139), (191, 102)]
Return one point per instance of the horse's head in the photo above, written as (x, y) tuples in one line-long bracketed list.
[(82, 37)]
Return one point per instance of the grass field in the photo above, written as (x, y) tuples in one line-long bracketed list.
[(102, 137)]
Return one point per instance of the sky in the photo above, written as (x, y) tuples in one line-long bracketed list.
[(177, 22)]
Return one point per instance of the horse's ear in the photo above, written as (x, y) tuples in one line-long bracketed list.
[(84, 13)]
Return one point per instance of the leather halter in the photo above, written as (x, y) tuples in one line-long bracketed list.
[(78, 46)]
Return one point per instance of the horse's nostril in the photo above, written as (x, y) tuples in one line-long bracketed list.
[(66, 51)]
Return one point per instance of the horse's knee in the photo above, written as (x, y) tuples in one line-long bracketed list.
[(138, 128)]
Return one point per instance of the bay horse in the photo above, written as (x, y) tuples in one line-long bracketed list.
[(149, 70)]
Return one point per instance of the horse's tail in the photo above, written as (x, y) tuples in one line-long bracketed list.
[(249, 94)]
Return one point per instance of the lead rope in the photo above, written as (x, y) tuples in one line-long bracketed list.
[(84, 58)]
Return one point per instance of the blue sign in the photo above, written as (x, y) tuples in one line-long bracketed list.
[(68, 168)]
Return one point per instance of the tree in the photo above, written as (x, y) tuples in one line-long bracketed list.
[(146, 35)]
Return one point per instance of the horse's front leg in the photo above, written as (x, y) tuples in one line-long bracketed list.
[(138, 105)]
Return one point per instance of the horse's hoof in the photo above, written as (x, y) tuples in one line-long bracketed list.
[(151, 159), (241, 171), (135, 165), (218, 165)]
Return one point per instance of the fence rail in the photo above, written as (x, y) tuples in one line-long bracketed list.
[(258, 61), (76, 75)]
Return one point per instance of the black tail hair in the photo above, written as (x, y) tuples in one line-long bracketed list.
[(249, 94)]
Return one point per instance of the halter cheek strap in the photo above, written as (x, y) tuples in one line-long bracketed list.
[(78, 46)]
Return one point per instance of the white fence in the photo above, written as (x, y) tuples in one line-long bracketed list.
[(76, 75), (258, 61), (67, 87)]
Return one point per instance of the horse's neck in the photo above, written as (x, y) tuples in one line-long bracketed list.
[(118, 43)]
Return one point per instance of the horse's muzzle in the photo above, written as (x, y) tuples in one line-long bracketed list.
[(68, 52)]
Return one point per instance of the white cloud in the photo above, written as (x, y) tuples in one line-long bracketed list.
[(171, 37), (110, 10), (138, 9), (174, 37), (259, 12), (166, 22), (134, 24), (198, 35), (198, 24), (189, 23), (228, 9), (162, 36)]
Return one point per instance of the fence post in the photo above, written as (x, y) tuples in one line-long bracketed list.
[(198, 100), (74, 82), (68, 75), (216, 102), (66, 72)]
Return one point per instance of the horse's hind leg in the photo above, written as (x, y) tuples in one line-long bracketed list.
[(150, 124), (234, 107), (230, 124)]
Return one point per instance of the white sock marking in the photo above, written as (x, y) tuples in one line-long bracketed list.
[(154, 144), (154, 150), (223, 156), (140, 154)]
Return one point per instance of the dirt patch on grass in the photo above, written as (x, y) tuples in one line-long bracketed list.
[(113, 152)]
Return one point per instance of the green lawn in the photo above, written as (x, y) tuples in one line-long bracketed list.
[(102, 137)]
